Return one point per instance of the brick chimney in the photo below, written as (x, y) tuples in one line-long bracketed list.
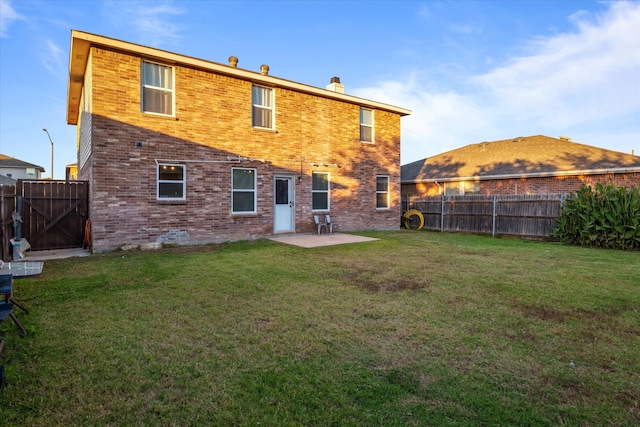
[(335, 85)]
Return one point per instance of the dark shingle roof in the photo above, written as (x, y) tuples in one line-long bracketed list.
[(5, 180), (519, 157), (11, 162)]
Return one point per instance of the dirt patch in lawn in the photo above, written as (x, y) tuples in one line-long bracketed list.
[(378, 280)]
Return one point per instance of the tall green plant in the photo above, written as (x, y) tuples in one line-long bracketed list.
[(608, 217)]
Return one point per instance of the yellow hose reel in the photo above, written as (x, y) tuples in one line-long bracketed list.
[(412, 223)]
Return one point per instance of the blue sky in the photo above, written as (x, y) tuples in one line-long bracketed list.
[(471, 71)]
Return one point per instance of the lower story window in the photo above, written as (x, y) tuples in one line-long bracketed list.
[(243, 190), (171, 181), (320, 191), (382, 192)]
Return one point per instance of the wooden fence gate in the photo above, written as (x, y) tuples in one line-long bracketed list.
[(54, 213)]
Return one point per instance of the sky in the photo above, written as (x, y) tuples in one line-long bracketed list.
[(470, 71)]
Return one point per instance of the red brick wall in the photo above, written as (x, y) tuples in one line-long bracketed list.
[(549, 185), (563, 184), (213, 121)]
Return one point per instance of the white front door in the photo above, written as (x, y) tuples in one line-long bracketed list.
[(284, 212)]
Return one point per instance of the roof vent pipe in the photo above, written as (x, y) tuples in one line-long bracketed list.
[(233, 61), (264, 69), (564, 138)]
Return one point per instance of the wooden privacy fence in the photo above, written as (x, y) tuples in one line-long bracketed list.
[(7, 208), (522, 215)]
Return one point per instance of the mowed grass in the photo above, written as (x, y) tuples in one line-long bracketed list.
[(417, 328)]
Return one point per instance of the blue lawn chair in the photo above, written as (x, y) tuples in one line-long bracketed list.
[(6, 306), (6, 290), (5, 310)]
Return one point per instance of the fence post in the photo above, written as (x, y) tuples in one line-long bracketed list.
[(493, 225), (442, 214)]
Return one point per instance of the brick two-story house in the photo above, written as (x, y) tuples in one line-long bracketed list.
[(179, 149)]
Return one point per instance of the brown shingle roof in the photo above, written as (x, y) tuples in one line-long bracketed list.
[(519, 157)]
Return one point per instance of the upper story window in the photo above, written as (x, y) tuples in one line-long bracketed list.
[(31, 173), (366, 125), (243, 190), (171, 182), (382, 192), (263, 107), (320, 191), (157, 88)]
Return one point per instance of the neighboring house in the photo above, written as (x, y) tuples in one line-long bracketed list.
[(12, 169), (524, 165), (71, 172), (180, 149)]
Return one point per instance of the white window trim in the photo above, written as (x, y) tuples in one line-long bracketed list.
[(367, 125), (388, 193), (328, 191), (159, 181), (172, 90), (254, 191), (272, 108)]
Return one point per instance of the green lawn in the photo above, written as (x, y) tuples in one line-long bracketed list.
[(418, 328)]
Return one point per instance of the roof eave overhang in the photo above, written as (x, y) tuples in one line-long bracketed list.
[(20, 166), (82, 42), (526, 175)]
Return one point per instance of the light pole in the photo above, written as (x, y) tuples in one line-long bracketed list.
[(47, 132)]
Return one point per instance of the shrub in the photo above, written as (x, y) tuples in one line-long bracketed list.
[(608, 217)]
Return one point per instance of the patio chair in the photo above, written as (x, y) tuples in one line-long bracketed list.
[(5, 310), (330, 223), (6, 290), (320, 224)]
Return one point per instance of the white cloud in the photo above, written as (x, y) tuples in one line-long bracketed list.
[(465, 29), (53, 59), (439, 121), (7, 16), (584, 83), (424, 11), (577, 77), (150, 19)]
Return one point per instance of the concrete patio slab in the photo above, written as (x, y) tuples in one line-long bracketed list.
[(55, 254), (316, 241)]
